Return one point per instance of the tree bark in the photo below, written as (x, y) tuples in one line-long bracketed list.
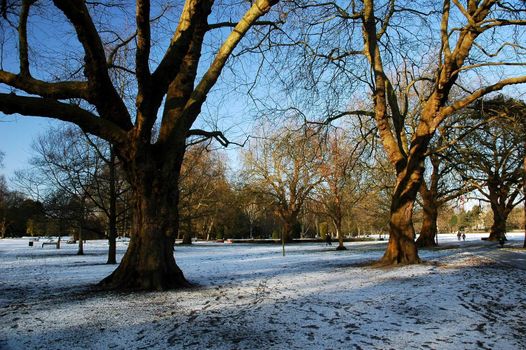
[(339, 234), (149, 262), (401, 248), (498, 228), (290, 223), (80, 251), (112, 219), (3, 228), (187, 235), (429, 229), (287, 231)]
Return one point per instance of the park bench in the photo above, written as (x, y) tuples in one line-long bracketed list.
[(50, 243)]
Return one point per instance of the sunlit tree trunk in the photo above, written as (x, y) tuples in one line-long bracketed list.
[(428, 232), (401, 248)]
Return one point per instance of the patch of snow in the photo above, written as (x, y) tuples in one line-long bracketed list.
[(248, 296)]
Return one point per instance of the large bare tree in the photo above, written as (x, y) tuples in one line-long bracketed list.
[(168, 85), (463, 39), (409, 54), (441, 183), (491, 156), (68, 161), (345, 179)]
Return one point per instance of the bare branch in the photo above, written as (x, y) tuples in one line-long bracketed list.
[(216, 135), (22, 38), (44, 107), (143, 46), (233, 24), (59, 90), (448, 110), (107, 100)]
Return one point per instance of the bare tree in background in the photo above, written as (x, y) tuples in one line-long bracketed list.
[(344, 178), (408, 54), (83, 166), (491, 156), (442, 182), (285, 167), (202, 186)]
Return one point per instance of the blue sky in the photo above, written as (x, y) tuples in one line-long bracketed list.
[(16, 137)]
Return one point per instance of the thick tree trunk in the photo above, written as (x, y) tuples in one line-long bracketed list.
[(290, 224), (401, 248), (187, 238), (429, 229), (287, 231), (498, 228), (149, 262)]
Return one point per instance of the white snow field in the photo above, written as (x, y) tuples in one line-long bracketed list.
[(466, 295)]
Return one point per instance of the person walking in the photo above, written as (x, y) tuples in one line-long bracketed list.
[(328, 239)]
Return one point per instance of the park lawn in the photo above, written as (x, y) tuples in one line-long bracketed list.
[(248, 296)]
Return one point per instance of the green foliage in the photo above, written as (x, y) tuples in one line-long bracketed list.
[(453, 221), (323, 229)]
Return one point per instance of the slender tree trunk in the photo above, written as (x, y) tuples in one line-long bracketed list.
[(209, 230), (82, 221), (3, 228), (339, 234), (112, 219), (80, 251)]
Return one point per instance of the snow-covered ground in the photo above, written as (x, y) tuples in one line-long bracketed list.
[(466, 295)]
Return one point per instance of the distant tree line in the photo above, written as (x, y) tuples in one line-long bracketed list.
[(295, 181)]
